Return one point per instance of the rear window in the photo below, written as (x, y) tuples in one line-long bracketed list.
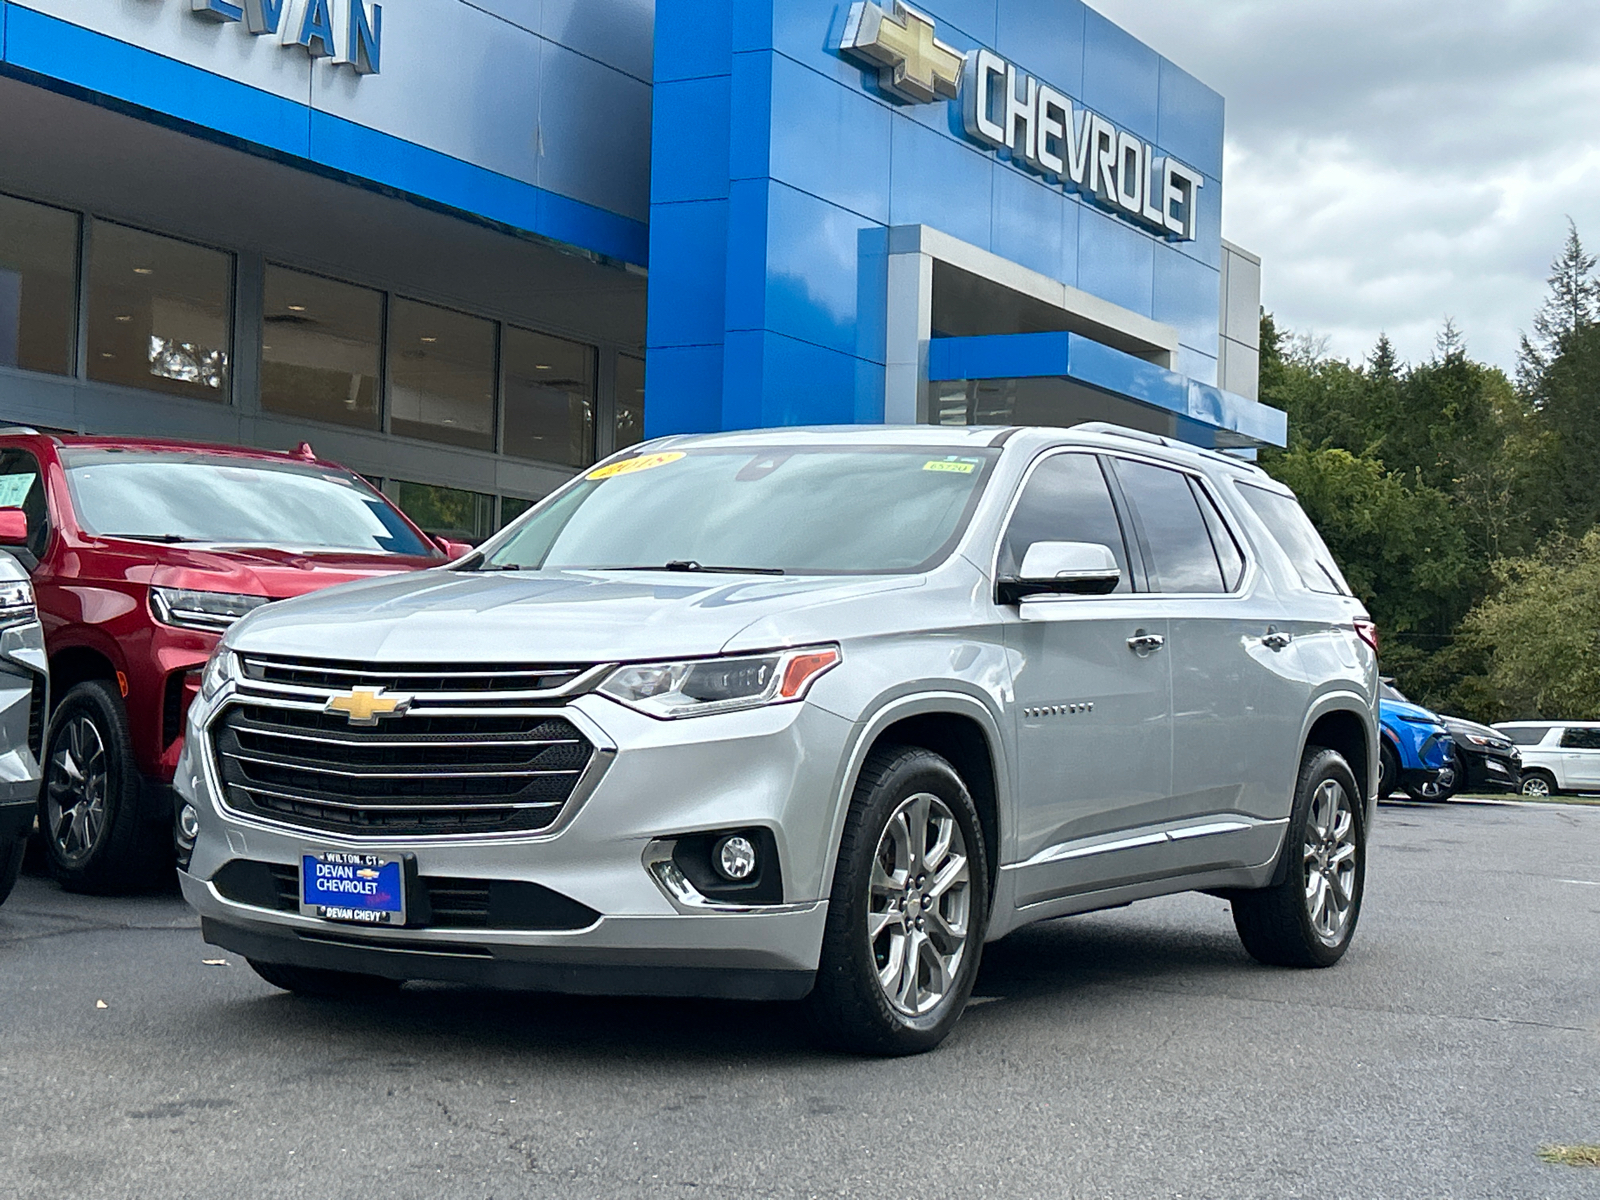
[(1527, 737), (1298, 538)]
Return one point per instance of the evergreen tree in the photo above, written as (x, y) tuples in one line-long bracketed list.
[(1573, 304)]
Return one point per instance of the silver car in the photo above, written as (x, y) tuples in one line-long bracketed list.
[(23, 696), (800, 713)]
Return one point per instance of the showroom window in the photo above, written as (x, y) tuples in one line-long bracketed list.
[(630, 400), (160, 313), (512, 507), (321, 349), (447, 512), (38, 286), (441, 375), (549, 398)]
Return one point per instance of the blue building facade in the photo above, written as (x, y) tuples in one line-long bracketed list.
[(467, 248)]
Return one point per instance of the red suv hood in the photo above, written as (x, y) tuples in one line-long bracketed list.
[(278, 573)]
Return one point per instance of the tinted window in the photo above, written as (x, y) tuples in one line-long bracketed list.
[(1066, 500), (320, 349), (1222, 540), (1182, 558), (1581, 739), (1298, 538), (804, 510), (1527, 737), (38, 286), (196, 497)]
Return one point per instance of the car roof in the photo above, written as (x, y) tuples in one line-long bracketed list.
[(1027, 438), (1547, 724), (88, 441)]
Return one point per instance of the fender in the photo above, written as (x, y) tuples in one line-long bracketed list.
[(885, 713)]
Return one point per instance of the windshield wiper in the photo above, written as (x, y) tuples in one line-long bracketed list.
[(167, 538), (488, 566), (682, 564)]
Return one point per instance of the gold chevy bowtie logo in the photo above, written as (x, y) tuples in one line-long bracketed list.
[(913, 64), (364, 706)]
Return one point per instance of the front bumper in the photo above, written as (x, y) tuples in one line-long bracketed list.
[(23, 697), (777, 768), (1488, 772)]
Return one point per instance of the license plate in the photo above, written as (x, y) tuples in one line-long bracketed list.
[(362, 889)]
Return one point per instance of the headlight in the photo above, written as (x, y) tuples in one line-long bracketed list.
[(16, 603), (222, 669), (1491, 743), (699, 687), (201, 610)]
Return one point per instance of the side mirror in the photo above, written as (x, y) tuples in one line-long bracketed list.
[(1063, 569), (13, 527), (452, 549)]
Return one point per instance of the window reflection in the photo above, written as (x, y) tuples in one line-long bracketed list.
[(630, 400), (441, 375), (160, 313), (446, 512), (38, 286), (512, 507), (549, 398), (320, 349)]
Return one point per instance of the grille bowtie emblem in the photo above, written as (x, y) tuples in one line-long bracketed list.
[(364, 706)]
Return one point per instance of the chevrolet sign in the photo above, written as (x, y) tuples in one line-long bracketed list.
[(1035, 125)]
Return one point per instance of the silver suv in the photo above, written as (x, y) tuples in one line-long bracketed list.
[(801, 713), (23, 695)]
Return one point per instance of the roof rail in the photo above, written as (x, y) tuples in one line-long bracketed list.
[(18, 429), (1137, 435)]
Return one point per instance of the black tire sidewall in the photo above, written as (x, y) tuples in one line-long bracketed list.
[(117, 859), (1388, 772), (847, 959), (1320, 767), (1549, 781), (11, 855)]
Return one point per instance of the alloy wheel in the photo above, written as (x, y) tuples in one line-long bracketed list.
[(1440, 787), (1535, 786), (919, 906), (1330, 861), (75, 790)]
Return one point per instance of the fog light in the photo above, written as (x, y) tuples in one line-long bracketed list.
[(736, 858), (188, 823)]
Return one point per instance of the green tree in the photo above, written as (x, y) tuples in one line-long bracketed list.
[(1540, 634), (1573, 304)]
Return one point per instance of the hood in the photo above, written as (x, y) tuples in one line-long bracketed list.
[(1404, 710), (567, 617), (1459, 728), (274, 572)]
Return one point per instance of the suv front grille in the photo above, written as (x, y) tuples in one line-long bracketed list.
[(412, 775), (413, 679)]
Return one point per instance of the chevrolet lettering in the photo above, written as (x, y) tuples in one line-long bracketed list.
[(791, 714)]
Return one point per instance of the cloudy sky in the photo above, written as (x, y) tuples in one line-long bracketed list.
[(1396, 162)]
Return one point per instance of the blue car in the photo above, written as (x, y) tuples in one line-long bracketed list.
[(1418, 754)]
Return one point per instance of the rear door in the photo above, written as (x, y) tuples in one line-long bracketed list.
[(1093, 723), (1238, 695)]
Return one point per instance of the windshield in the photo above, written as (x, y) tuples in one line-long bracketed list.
[(1390, 692), (799, 510), (179, 496)]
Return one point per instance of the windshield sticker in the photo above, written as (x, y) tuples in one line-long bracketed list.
[(14, 489), (953, 466), (632, 466)]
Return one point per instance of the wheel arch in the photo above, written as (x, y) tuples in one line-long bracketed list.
[(72, 665), (1344, 723)]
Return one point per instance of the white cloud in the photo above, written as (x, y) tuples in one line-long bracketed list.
[(1398, 161)]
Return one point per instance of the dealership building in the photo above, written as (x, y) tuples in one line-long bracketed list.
[(468, 248)]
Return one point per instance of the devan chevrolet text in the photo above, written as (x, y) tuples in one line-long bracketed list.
[(800, 713)]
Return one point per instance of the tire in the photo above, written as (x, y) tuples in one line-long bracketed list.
[(1297, 921), (1437, 792), (11, 866), (96, 838), (324, 984), (1538, 784), (884, 907), (1388, 771)]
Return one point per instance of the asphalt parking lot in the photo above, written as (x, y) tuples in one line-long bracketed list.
[(1137, 1053)]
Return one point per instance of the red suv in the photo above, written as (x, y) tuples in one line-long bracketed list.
[(142, 553)]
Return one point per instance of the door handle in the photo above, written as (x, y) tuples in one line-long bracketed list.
[(1276, 640), (1145, 644)]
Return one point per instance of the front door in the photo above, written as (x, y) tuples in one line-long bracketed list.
[(1092, 702)]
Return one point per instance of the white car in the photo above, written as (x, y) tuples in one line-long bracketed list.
[(1557, 756)]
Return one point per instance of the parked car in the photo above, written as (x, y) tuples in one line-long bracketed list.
[(1418, 753), (1557, 756), (1485, 759), (23, 694), (802, 712), (141, 554)]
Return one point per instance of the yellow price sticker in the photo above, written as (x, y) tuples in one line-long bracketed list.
[(954, 468), (632, 466)]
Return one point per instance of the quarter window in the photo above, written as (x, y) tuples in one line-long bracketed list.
[(1298, 538), (1527, 737), (1180, 555), (1066, 500)]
